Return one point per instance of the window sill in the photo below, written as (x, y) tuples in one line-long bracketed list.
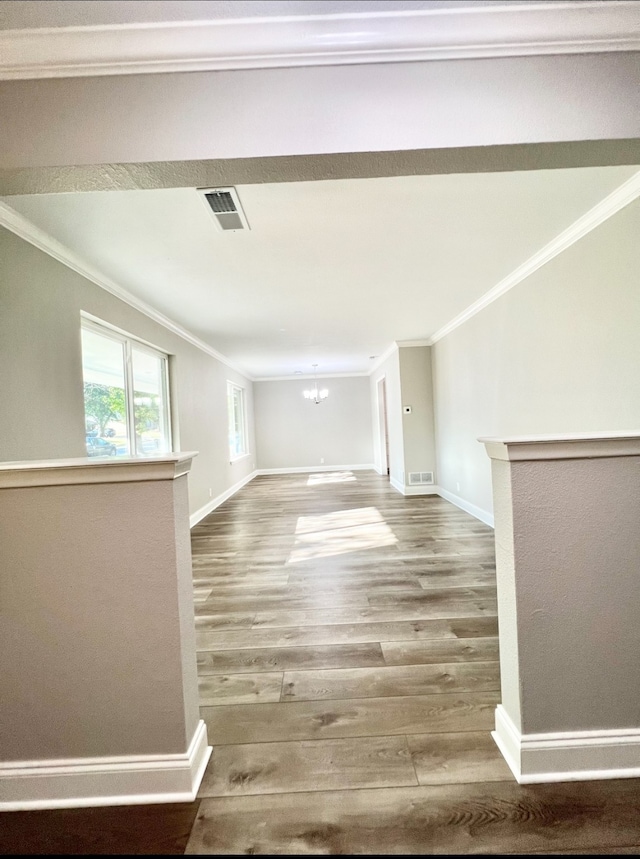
[(233, 459)]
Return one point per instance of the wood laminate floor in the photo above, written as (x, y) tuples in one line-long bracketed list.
[(348, 671)]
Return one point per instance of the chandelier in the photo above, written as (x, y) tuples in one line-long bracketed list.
[(316, 395)]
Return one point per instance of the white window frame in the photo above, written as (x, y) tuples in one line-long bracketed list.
[(232, 387), (129, 343)]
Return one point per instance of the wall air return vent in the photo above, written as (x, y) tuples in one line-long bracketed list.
[(420, 477), (224, 205)]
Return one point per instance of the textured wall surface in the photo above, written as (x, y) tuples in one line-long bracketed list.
[(92, 654), (577, 556)]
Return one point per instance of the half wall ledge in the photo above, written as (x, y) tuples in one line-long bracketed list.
[(97, 641), (567, 514)]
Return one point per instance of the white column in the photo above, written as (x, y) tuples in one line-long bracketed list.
[(567, 518), (99, 702)]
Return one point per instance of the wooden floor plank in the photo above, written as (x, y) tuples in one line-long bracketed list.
[(461, 609), (315, 765), (472, 627), (457, 758), (256, 602), (281, 658), (361, 717), (436, 596), (449, 650), (232, 620), (457, 578), (487, 818), (226, 689), (297, 636), (399, 680)]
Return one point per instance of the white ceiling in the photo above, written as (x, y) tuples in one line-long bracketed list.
[(330, 272)]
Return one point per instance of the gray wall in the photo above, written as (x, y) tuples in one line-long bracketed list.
[(292, 432), (577, 545), (42, 410), (97, 643), (418, 427), (559, 353)]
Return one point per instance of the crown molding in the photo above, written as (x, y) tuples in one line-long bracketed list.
[(404, 344), (388, 352), (314, 40), (602, 211), (27, 230), (309, 377)]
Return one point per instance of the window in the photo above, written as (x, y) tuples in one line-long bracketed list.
[(237, 421), (126, 396)]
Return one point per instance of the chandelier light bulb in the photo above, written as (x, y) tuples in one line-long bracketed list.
[(315, 394)]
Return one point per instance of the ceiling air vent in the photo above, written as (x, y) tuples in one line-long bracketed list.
[(420, 477), (225, 206)]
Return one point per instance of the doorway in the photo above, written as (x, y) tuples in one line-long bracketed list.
[(383, 426)]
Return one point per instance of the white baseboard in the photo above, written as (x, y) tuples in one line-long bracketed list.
[(310, 469), (567, 756), (424, 489), (127, 780), (396, 485), (216, 502), (467, 506)]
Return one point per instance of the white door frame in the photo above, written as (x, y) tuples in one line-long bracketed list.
[(383, 432)]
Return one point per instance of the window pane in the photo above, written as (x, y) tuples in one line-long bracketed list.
[(149, 403), (104, 398), (237, 444)]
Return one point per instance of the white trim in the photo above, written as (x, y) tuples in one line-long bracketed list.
[(232, 387), (234, 459), (578, 446), (127, 780), (313, 40), (220, 499), (129, 342), (99, 325), (614, 202), (567, 756), (467, 506), (311, 469), (405, 344), (426, 489), (388, 352), (381, 427), (413, 490), (109, 469), (309, 376), (396, 485), (23, 227)]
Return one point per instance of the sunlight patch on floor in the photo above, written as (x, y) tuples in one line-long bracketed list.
[(330, 477), (340, 532)]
